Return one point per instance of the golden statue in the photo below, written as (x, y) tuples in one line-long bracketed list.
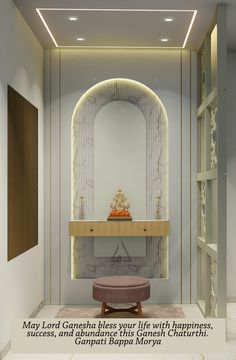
[(119, 207)]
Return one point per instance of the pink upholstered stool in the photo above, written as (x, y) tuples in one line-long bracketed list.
[(121, 289)]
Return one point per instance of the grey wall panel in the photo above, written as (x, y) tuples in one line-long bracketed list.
[(193, 191), (47, 177), (55, 176), (185, 176), (231, 177)]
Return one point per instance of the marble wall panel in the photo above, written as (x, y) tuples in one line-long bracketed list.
[(84, 264)]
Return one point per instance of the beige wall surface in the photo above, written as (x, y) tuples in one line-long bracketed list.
[(231, 177), (21, 66)]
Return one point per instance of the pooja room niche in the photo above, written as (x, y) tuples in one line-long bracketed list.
[(119, 150)]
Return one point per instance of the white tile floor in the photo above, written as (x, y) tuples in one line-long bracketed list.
[(191, 311)]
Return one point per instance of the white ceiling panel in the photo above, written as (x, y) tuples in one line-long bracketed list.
[(118, 28), (124, 28)]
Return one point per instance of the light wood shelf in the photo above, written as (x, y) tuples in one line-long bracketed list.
[(119, 228), (212, 97), (201, 242), (211, 249), (201, 110), (207, 175)]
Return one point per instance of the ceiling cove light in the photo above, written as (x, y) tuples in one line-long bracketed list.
[(189, 29), (46, 26), (167, 19)]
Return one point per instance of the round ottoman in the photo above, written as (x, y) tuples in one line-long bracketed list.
[(121, 289)]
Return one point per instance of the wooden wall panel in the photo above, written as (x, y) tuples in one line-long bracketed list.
[(22, 174)]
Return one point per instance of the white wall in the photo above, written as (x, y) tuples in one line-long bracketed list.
[(21, 66), (172, 75), (231, 178), (119, 140)]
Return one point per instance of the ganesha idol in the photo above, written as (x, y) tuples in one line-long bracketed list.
[(119, 207)]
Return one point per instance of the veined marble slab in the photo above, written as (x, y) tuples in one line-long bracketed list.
[(85, 264)]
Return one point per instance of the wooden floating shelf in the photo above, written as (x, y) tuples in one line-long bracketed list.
[(210, 249), (119, 228)]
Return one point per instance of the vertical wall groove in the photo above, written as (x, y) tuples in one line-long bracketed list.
[(47, 178), (59, 105), (50, 180), (181, 175), (55, 167), (190, 177)]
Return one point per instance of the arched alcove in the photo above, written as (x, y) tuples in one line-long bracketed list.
[(154, 264)]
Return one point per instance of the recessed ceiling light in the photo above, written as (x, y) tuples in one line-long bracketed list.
[(72, 18), (40, 12), (164, 40), (168, 19)]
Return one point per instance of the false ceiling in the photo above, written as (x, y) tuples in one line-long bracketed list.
[(123, 23)]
